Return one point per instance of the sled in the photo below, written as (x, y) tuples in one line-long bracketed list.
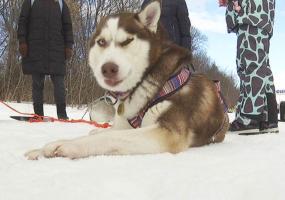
[(31, 119), (258, 133)]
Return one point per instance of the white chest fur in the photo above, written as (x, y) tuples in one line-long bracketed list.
[(155, 112)]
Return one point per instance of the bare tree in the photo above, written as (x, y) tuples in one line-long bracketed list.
[(12, 80), (80, 83), (198, 41)]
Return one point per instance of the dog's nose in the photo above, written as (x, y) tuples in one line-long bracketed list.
[(110, 70)]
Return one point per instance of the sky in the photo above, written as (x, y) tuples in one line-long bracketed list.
[(209, 18)]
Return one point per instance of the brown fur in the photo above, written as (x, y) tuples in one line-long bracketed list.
[(191, 117), (198, 112)]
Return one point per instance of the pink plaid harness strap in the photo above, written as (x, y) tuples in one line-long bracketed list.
[(175, 83), (221, 96)]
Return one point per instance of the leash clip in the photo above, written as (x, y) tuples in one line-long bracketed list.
[(108, 98)]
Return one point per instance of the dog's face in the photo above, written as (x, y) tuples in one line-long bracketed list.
[(120, 50)]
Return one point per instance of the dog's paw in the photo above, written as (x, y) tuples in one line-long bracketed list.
[(71, 150), (34, 154), (50, 149)]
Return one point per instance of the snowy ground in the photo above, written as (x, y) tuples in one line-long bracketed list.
[(241, 168)]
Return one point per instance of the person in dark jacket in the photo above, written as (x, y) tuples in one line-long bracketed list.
[(175, 20), (45, 43)]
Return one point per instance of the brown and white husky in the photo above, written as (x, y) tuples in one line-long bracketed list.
[(130, 57)]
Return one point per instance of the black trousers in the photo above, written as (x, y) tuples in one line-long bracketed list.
[(38, 88)]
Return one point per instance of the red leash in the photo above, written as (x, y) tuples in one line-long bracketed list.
[(37, 118)]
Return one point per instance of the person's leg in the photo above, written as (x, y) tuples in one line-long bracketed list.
[(254, 73), (271, 123), (59, 95), (37, 93), (261, 99)]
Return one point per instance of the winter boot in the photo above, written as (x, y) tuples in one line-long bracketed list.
[(38, 109), (239, 128), (271, 126), (61, 111)]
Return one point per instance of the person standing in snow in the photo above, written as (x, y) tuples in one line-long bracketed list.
[(45, 42), (252, 21), (175, 19)]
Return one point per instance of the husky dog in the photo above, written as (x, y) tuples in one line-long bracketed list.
[(130, 57)]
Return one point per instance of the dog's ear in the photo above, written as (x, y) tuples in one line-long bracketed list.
[(150, 15)]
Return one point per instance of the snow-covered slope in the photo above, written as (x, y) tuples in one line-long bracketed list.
[(241, 168)]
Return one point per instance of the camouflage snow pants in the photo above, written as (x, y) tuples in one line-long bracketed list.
[(256, 78)]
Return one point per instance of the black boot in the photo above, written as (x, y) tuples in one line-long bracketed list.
[(39, 109), (272, 108), (61, 111), (271, 126)]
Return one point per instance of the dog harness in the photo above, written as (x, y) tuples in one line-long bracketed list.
[(175, 83)]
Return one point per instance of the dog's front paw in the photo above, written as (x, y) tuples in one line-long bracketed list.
[(34, 154), (50, 150), (71, 150)]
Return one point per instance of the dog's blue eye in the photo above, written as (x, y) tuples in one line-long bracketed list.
[(102, 42), (126, 42)]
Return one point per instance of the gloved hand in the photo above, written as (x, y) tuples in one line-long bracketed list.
[(236, 6), (23, 49), (223, 3), (68, 53)]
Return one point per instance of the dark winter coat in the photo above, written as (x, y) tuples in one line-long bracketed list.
[(47, 30), (175, 19)]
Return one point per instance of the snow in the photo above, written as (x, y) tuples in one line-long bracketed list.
[(240, 168)]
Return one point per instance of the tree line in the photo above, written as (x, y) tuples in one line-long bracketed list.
[(81, 86)]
